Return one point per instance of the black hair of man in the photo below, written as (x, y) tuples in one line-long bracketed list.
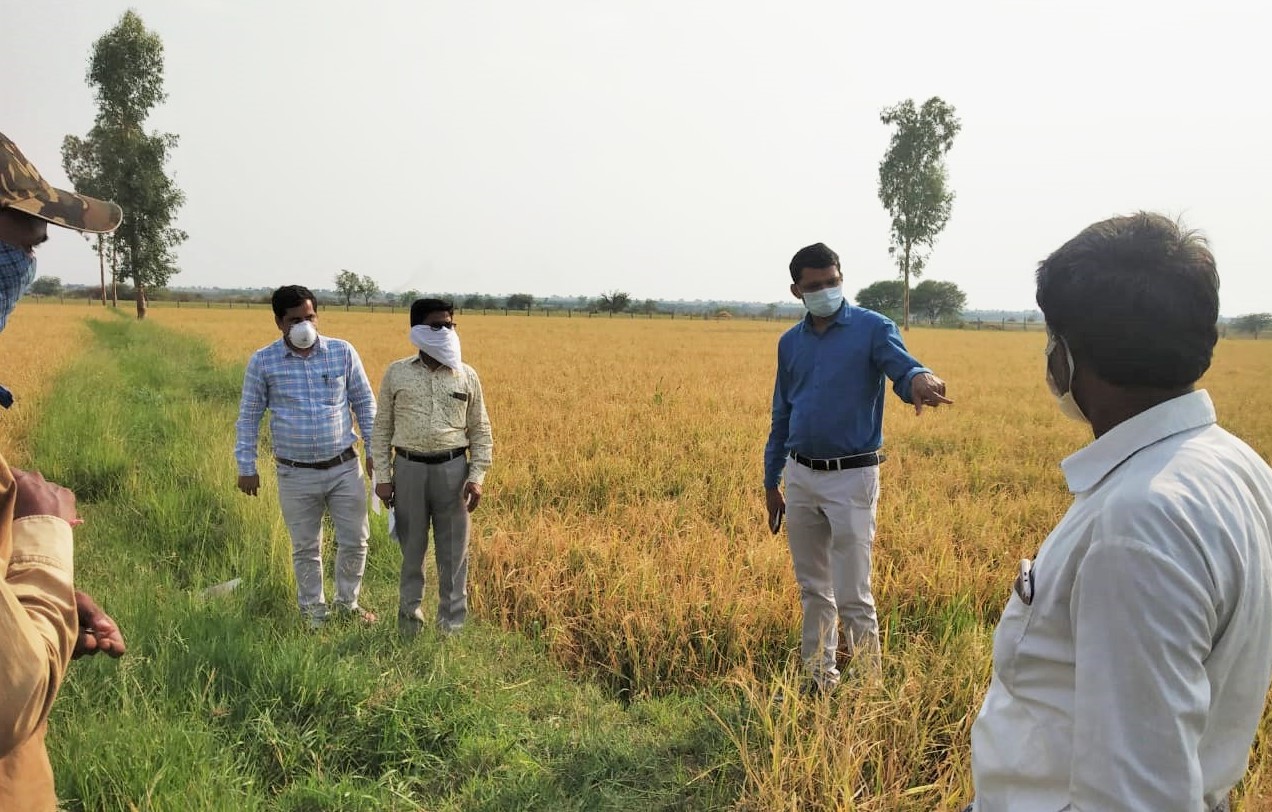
[(1136, 298), (420, 308), (817, 255), (289, 296)]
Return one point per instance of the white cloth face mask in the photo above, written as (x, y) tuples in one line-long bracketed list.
[(440, 345)]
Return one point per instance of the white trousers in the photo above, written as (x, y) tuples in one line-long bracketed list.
[(830, 525), (305, 494)]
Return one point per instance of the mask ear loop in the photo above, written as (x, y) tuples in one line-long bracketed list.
[(1054, 341), (1068, 357)]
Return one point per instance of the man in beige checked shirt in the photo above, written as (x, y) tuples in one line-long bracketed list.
[(433, 429)]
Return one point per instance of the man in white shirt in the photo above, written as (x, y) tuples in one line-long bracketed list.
[(1134, 656)]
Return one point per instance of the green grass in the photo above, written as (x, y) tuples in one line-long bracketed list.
[(231, 704)]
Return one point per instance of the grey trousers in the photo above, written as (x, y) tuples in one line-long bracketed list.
[(305, 494), (830, 525), (427, 496), (1223, 806)]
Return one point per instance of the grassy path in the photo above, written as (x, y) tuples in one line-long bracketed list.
[(230, 704)]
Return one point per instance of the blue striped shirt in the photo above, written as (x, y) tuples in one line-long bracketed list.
[(309, 400)]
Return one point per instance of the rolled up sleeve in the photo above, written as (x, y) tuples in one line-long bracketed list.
[(38, 625)]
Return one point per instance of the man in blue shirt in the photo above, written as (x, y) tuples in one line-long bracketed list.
[(825, 438), (309, 383)]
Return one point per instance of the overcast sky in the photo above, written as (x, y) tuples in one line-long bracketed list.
[(670, 149)]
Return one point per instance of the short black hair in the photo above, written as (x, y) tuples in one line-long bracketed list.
[(420, 308), (1137, 298), (817, 255), (289, 296)]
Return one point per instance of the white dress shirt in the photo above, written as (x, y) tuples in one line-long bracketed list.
[(1137, 676)]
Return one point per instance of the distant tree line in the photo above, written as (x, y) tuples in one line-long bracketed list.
[(932, 300), (1253, 323)]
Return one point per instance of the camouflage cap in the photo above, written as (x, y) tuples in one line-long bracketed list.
[(22, 188)]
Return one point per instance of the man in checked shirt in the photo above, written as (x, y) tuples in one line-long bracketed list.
[(434, 424), (309, 383)]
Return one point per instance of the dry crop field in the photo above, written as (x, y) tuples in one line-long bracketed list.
[(623, 522)]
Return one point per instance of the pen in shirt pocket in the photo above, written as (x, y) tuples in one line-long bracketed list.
[(1024, 585)]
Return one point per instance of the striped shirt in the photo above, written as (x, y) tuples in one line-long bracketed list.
[(308, 397)]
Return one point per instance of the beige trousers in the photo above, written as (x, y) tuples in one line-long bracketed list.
[(830, 523)]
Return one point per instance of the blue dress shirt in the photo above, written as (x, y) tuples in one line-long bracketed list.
[(828, 397)]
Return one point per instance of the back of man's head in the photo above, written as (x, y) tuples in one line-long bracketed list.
[(1136, 299)]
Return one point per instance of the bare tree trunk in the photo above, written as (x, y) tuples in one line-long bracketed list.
[(101, 264), (114, 274), (905, 296), (134, 246)]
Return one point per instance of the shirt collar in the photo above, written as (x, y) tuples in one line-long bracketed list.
[(1085, 469), (844, 317), (418, 360), (287, 350)]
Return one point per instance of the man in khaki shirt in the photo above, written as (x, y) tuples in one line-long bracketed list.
[(432, 432), (44, 622)]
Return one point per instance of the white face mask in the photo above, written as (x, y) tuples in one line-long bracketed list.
[(440, 345), (824, 302), (1068, 406), (303, 335)]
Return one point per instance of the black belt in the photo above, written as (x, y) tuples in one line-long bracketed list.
[(344, 456), (841, 463), (431, 459)]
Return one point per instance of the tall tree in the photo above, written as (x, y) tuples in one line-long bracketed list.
[(348, 285), (938, 300), (119, 160), (886, 296), (82, 165), (913, 183), (368, 289)]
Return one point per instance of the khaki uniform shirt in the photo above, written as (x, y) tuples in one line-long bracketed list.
[(38, 627)]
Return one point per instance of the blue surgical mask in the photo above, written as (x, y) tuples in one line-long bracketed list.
[(17, 272), (824, 302)]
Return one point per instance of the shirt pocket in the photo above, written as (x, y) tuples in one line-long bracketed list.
[(455, 408), (1012, 627), (333, 390)]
